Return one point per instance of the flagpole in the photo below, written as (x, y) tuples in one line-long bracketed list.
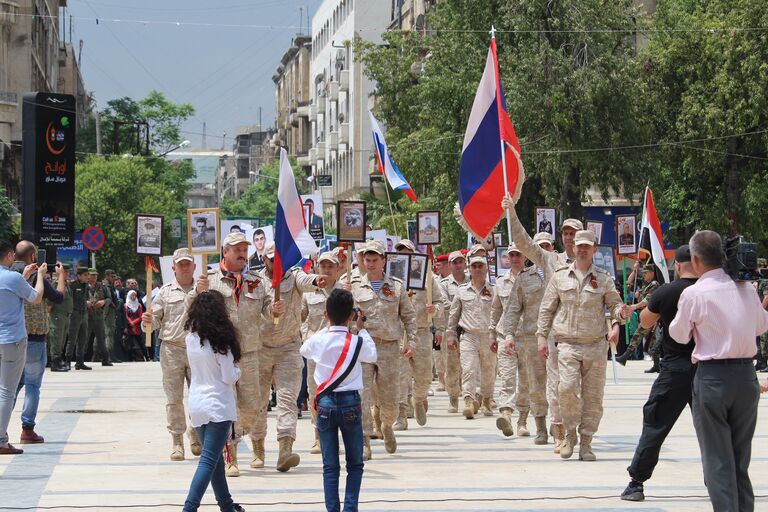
[(503, 153), (391, 210), (642, 232)]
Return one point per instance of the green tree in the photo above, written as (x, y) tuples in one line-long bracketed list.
[(8, 217), (708, 84), (110, 191)]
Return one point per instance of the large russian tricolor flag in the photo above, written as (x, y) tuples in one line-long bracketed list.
[(651, 235), (292, 240), (385, 162), (481, 176)]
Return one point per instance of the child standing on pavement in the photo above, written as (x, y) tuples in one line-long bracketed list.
[(213, 349), (338, 354)]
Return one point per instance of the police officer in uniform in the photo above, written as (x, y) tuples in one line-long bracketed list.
[(390, 314), (78, 325), (98, 302), (573, 311), (471, 311), (59, 324)]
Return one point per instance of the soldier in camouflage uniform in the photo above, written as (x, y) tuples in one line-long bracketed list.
[(416, 372), (643, 295), (280, 361), (78, 322), (313, 320), (99, 300), (449, 286), (110, 316), (572, 311), (59, 325), (471, 312), (390, 315)]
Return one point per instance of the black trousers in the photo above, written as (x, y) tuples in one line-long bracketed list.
[(725, 399), (670, 393)]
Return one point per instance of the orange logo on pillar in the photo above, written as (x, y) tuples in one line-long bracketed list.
[(55, 140)]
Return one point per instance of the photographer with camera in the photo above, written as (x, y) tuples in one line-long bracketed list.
[(337, 354), (723, 316)]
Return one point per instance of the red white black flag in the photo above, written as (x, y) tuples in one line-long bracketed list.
[(652, 238)]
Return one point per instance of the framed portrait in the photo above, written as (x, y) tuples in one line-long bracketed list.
[(410, 226), (149, 235), (313, 215), (203, 233), (626, 233), (351, 221), (498, 240), (503, 263), (428, 227), (398, 265), (546, 221), (596, 227), (603, 259), (417, 273)]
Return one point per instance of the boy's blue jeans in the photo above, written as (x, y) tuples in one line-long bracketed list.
[(343, 412)]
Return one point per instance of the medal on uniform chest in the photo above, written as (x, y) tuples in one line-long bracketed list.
[(485, 293), (387, 291), (252, 285), (593, 281)]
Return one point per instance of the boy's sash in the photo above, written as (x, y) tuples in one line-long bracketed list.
[(344, 365)]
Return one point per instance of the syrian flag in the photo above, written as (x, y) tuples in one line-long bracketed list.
[(651, 236)]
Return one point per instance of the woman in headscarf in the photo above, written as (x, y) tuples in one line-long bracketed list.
[(132, 337)]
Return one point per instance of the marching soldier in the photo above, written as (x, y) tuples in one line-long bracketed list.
[(168, 315), (78, 325), (519, 327), (280, 361), (249, 306), (471, 311), (418, 369), (572, 310), (313, 320), (385, 303), (449, 286), (643, 295), (98, 302), (59, 324), (511, 368)]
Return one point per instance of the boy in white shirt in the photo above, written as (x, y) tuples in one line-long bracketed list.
[(339, 376)]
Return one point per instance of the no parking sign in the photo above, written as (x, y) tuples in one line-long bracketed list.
[(93, 238)]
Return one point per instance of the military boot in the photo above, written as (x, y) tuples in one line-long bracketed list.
[(316, 446), (409, 413), (194, 442), (376, 423), (541, 430), (258, 453), (585, 449), (390, 443), (366, 448), (230, 462), (177, 452), (469, 407), (522, 424), (453, 404), (486, 407), (504, 422), (401, 423), (478, 401), (570, 441), (420, 410), (286, 459), (440, 383), (558, 432)]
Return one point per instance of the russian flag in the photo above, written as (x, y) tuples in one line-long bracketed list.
[(387, 165), (292, 240), (481, 175), (651, 235)]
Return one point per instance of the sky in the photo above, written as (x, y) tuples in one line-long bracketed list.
[(191, 50)]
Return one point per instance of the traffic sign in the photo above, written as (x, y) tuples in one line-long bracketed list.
[(93, 238)]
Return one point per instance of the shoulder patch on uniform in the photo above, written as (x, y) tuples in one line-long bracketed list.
[(396, 279), (603, 271), (562, 267)]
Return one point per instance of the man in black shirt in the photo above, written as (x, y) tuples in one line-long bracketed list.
[(672, 389)]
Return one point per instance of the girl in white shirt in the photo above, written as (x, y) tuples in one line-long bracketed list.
[(213, 349)]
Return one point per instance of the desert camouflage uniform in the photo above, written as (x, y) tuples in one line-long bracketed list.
[(451, 357)]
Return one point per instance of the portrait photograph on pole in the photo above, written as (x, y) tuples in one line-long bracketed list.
[(417, 272), (428, 228), (398, 265), (149, 235), (351, 221), (625, 234), (203, 230)]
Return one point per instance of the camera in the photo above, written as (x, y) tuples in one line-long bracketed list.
[(357, 313), (740, 259)]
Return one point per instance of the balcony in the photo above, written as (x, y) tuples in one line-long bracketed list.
[(333, 141), (8, 12), (303, 161), (303, 111), (344, 134), (344, 80), (333, 91), (313, 112)]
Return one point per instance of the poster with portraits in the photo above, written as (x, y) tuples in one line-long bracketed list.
[(626, 234), (259, 237), (203, 233), (546, 221), (603, 258), (596, 227), (417, 273), (149, 235), (313, 215), (351, 221), (428, 227), (398, 265)]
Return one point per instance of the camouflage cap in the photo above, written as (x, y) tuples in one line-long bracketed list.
[(649, 267), (584, 237), (478, 259), (235, 238), (182, 254), (543, 238), (456, 255), (82, 270), (572, 223), (93, 271), (405, 243), (475, 249), (513, 248), (109, 272), (375, 246), (328, 256)]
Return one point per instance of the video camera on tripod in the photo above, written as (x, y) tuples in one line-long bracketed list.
[(740, 259)]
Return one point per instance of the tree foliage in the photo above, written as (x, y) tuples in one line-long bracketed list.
[(8, 217)]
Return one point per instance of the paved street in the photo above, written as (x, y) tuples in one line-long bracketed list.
[(107, 447)]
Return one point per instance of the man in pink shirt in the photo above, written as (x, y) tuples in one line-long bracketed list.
[(723, 317)]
